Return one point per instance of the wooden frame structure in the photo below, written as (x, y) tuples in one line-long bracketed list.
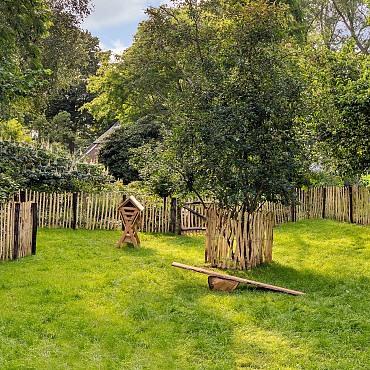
[(129, 211)]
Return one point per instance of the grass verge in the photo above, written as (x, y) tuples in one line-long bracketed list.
[(81, 303)]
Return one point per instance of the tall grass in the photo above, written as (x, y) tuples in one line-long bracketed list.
[(81, 303)]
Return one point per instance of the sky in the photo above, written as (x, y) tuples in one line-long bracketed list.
[(115, 22)]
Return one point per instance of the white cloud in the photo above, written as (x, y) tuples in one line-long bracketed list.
[(109, 13), (118, 47)]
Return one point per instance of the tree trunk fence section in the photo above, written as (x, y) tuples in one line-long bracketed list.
[(238, 240), (18, 228)]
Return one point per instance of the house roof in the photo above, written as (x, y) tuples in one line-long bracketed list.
[(92, 151)]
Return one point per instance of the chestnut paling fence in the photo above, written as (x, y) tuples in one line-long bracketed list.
[(18, 227), (99, 210), (238, 240), (349, 204), (231, 241)]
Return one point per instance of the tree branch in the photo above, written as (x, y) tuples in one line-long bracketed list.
[(350, 29), (167, 50)]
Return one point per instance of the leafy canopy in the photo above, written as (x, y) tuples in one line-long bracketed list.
[(225, 84), (340, 98)]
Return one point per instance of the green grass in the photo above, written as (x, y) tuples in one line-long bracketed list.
[(81, 303)]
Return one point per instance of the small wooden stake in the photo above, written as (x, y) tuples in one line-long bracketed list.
[(34, 227), (17, 208)]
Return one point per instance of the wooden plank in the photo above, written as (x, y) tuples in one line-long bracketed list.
[(235, 278), (16, 245), (193, 229), (198, 202), (172, 225), (65, 211), (195, 212), (96, 210)]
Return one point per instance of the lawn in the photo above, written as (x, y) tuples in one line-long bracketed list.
[(81, 303)]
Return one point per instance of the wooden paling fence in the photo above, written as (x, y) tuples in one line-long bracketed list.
[(99, 210), (239, 240), (349, 204), (18, 228)]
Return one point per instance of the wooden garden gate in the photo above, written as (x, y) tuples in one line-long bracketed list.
[(191, 217)]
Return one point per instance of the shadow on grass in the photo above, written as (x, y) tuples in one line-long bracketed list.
[(128, 249)]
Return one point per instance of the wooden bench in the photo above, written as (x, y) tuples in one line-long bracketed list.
[(228, 283)]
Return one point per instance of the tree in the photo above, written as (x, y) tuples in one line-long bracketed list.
[(117, 149), (337, 21), (228, 83), (340, 99), (67, 51), (298, 26), (73, 56), (22, 25), (13, 130), (23, 31)]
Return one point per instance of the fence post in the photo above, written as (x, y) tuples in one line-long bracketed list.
[(22, 196), (179, 230), (292, 213), (17, 207), (74, 210), (323, 201), (173, 215), (124, 197), (350, 204), (34, 227)]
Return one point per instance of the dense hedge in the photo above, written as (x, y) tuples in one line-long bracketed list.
[(30, 167)]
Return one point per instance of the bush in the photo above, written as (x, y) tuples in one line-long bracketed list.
[(41, 169), (8, 187)]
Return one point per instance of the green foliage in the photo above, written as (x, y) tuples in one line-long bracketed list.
[(22, 25), (73, 56), (232, 89), (333, 23), (340, 103), (81, 303), (40, 42), (8, 187), (13, 130), (365, 180), (62, 130), (69, 52), (116, 151), (32, 167)]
